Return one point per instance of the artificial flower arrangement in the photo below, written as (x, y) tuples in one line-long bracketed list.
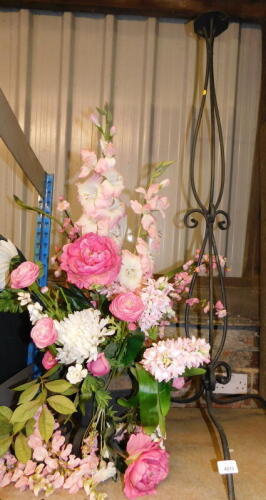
[(105, 320)]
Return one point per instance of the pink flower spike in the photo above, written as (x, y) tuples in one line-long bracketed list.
[(192, 301), (94, 119), (62, 205), (84, 172), (136, 207), (113, 130)]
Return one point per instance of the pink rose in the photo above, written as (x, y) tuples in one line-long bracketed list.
[(148, 466), (44, 333), (91, 260), (24, 275), (100, 367), (127, 307), (48, 360)]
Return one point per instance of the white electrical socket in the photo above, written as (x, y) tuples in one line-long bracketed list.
[(237, 385)]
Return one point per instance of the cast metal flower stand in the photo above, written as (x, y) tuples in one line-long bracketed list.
[(208, 26)]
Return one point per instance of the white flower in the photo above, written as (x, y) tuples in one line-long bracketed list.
[(76, 374), (24, 298), (131, 271), (105, 472), (7, 252), (80, 334), (35, 311)]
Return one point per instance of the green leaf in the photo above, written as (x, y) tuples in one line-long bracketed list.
[(24, 386), (5, 413), (5, 428), (30, 426), (9, 301), (164, 391), (111, 349), (191, 372), (28, 394), (25, 411), (22, 449), (70, 391), (133, 348), (46, 424), (148, 398), (18, 426), (4, 444), (52, 371), (129, 403), (58, 386), (53, 350), (102, 398), (61, 404)]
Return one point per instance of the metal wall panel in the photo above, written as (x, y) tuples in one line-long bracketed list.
[(56, 68)]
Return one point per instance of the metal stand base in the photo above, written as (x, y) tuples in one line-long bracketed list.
[(206, 391)]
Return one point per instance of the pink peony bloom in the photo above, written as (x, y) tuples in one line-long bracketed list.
[(149, 466), (91, 260), (44, 333), (100, 367), (127, 307), (24, 275), (48, 360)]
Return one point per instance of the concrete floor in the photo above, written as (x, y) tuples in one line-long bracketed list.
[(194, 452)]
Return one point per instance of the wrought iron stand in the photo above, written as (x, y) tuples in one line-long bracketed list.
[(208, 26)]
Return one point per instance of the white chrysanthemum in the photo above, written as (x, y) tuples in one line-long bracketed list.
[(7, 252), (131, 271), (80, 334), (76, 374)]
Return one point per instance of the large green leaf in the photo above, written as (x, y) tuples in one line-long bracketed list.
[(133, 348), (46, 424), (62, 404), (28, 394), (4, 444), (164, 392), (22, 449), (148, 398), (25, 411), (58, 386)]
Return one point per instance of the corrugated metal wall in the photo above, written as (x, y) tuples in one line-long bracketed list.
[(55, 69)]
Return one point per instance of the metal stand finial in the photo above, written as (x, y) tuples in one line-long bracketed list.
[(209, 26)]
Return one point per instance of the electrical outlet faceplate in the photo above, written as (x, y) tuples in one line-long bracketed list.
[(237, 385)]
